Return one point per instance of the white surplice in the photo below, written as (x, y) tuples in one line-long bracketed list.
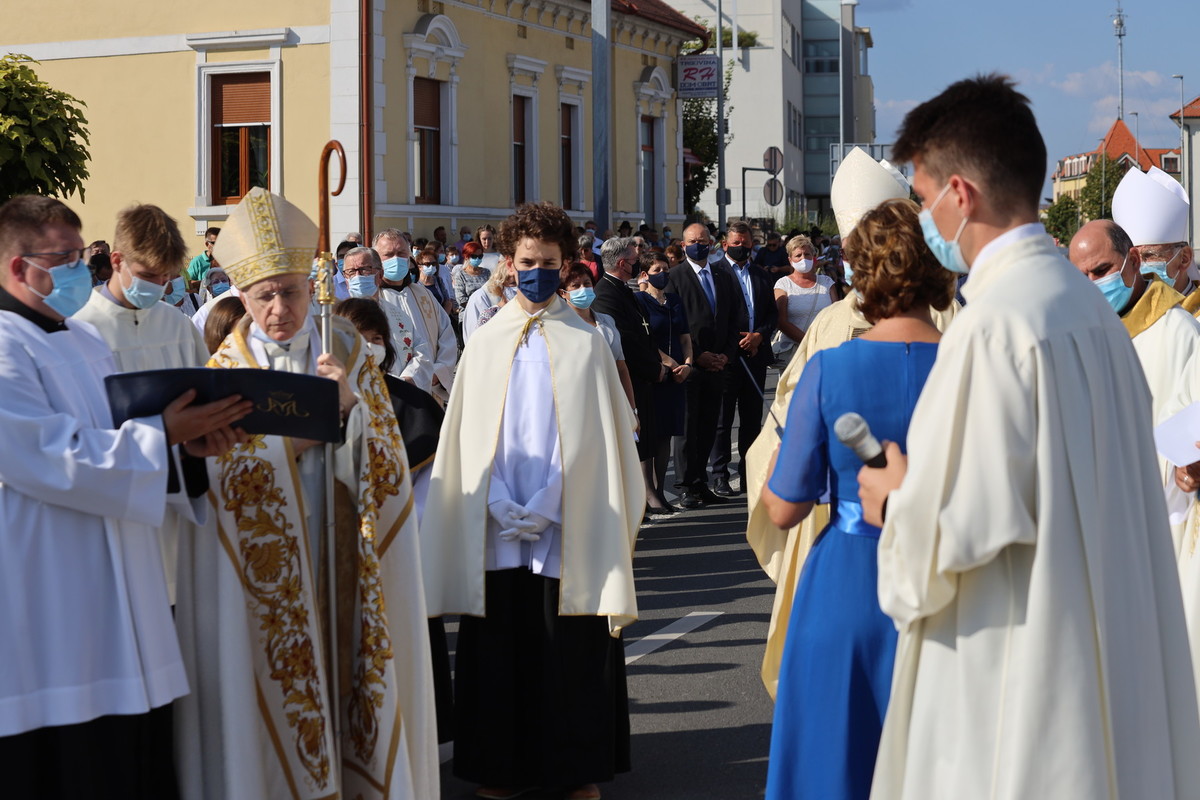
[(158, 337), (1027, 558), (528, 465), (432, 350), (85, 619)]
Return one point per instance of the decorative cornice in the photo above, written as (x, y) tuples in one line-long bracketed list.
[(525, 66), (571, 75), (240, 40)]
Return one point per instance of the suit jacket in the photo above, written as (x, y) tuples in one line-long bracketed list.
[(711, 332), (766, 313), (616, 299)]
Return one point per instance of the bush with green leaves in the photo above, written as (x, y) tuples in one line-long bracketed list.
[(43, 135)]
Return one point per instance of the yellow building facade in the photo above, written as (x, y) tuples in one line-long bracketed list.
[(468, 108)]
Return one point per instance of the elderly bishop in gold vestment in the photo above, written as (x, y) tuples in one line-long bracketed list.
[(252, 614)]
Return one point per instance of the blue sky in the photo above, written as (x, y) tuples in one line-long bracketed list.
[(1062, 53)]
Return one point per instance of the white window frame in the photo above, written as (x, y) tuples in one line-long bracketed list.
[(204, 211), (652, 94), (568, 78), (435, 40), (532, 68)]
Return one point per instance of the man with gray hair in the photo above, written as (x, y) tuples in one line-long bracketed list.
[(619, 258)]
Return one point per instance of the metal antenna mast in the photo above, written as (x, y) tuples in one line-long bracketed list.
[(1119, 30)]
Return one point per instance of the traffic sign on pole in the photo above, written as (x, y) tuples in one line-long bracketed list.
[(773, 192), (773, 160)]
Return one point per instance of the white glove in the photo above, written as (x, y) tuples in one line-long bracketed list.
[(514, 521), (539, 522)]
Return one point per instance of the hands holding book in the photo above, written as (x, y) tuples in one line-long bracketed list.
[(205, 430)]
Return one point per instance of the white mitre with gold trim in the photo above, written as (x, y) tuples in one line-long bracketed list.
[(1152, 207), (861, 184), (265, 237)]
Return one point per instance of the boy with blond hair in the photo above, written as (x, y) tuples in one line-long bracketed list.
[(142, 331)]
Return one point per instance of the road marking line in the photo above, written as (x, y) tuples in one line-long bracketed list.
[(651, 642)]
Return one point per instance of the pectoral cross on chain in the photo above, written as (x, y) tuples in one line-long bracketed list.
[(646, 325)]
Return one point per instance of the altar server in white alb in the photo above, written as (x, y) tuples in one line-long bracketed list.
[(1026, 555), (421, 331), (529, 525), (143, 331), (91, 663), (252, 613)]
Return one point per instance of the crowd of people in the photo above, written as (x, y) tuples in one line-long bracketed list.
[(1003, 602)]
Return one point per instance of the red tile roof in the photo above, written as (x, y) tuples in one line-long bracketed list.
[(660, 12), (1119, 142), (1192, 110)]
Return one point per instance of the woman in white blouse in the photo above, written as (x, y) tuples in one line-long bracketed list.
[(800, 295)]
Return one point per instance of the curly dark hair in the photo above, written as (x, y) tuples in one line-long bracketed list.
[(544, 222), (894, 270)]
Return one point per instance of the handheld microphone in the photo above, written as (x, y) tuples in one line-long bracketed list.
[(852, 430)]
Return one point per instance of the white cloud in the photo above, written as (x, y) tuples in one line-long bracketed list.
[(888, 116), (1103, 78)]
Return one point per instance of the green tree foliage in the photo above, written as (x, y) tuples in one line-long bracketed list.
[(700, 136), (1096, 198), (1062, 219), (43, 134)]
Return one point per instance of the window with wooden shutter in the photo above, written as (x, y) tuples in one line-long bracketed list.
[(519, 165), (567, 156), (427, 121), (241, 140)]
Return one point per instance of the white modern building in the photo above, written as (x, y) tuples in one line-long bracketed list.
[(786, 89)]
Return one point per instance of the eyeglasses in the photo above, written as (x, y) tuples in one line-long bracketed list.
[(354, 273), (67, 256)]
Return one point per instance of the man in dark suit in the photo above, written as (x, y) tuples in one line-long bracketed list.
[(708, 297), (755, 318), (615, 298)]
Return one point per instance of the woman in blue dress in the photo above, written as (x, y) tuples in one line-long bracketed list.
[(837, 662)]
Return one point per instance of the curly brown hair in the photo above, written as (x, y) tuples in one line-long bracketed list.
[(894, 270), (544, 222)]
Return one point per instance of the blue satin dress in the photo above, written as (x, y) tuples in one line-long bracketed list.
[(836, 672)]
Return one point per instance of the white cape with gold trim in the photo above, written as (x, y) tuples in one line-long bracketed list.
[(251, 624), (604, 493)]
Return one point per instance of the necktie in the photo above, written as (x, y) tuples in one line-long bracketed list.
[(709, 292)]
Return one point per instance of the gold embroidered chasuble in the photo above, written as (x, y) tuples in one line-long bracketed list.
[(389, 743), (781, 553)]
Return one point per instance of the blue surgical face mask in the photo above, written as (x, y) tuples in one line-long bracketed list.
[(395, 269), (1113, 287), (72, 285), (847, 271), (441, 258), (175, 291), (341, 261), (362, 286), (949, 254), (697, 252), (538, 285), (582, 297), (218, 288), (141, 293), (475, 260), (429, 270), (1159, 268)]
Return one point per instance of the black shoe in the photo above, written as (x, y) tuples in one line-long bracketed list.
[(692, 498), (708, 498), (721, 488)]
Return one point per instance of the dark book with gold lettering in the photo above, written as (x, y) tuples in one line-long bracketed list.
[(285, 404)]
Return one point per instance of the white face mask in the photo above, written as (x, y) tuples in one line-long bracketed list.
[(378, 351), (803, 265)]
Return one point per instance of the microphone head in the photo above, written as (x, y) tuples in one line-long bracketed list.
[(850, 429)]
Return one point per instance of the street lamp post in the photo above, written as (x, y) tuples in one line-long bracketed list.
[(1181, 106), (1137, 136)]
